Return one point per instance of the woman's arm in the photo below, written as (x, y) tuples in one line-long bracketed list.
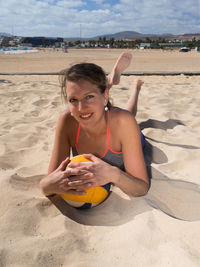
[(57, 178), (61, 147), (61, 150), (132, 186), (134, 181)]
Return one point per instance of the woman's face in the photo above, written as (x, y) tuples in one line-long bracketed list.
[(86, 102)]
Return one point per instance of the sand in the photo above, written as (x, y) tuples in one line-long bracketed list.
[(143, 60), (161, 229)]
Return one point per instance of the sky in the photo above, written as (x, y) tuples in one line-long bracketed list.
[(89, 18)]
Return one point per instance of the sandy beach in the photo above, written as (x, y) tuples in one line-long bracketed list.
[(143, 60), (161, 229)]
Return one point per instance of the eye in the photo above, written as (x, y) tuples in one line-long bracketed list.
[(73, 100), (89, 97)]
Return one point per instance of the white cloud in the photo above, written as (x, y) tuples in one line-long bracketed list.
[(70, 3), (63, 17), (161, 16)]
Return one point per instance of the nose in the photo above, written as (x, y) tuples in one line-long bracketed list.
[(81, 105)]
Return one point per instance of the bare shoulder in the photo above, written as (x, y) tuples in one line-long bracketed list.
[(65, 116), (65, 119), (66, 125), (62, 142), (121, 117), (123, 124)]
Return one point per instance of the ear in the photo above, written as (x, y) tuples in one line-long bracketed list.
[(106, 95)]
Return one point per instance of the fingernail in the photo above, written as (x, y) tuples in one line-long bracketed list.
[(74, 182)]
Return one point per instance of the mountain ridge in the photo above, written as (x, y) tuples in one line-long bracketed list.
[(131, 35)]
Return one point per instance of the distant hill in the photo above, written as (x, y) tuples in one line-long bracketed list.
[(132, 35), (120, 35), (188, 36), (136, 35), (4, 34)]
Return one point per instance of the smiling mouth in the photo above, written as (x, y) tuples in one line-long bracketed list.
[(86, 116)]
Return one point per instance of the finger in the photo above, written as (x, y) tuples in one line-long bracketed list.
[(88, 175), (74, 172), (63, 164), (75, 192), (74, 186), (78, 187), (90, 157), (80, 165), (93, 158), (64, 181), (72, 183), (81, 178), (66, 173), (83, 187), (80, 170), (77, 183), (69, 173)]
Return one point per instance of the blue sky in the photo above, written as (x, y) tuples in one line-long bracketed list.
[(62, 18)]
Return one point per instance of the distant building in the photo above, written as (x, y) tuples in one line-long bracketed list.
[(171, 45), (148, 45), (25, 45)]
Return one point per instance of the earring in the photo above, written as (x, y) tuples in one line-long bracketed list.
[(106, 108), (71, 114)]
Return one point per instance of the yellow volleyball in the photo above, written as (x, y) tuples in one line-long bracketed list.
[(92, 197)]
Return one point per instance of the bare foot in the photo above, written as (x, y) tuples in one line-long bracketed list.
[(122, 63), (138, 84)]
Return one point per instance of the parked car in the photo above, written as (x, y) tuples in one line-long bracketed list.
[(184, 49)]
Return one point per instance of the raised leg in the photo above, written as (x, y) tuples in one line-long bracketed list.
[(121, 64), (133, 100)]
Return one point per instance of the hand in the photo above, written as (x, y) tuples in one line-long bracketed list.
[(98, 172), (58, 182)]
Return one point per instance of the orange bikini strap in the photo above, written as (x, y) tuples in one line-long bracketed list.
[(78, 133), (79, 128), (108, 128)]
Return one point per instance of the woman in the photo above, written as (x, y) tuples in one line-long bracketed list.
[(107, 135)]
